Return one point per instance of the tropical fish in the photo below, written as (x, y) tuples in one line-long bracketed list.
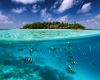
[(94, 64), (20, 49), (73, 62), (28, 60), (69, 58), (69, 52), (53, 48), (30, 51), (70, 70), (58, 57)]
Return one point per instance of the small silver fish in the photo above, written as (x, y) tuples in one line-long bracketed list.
[(20, 49), (30, 51)]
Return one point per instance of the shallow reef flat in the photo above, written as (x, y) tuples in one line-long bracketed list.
[(35, 72)]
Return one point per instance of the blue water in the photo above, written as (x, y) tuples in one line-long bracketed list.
[(56, 54)]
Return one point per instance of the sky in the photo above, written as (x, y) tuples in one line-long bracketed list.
[(15, 14)]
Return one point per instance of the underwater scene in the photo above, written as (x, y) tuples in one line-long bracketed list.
[(58, 54)]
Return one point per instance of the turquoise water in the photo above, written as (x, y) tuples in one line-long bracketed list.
[(49, 54)]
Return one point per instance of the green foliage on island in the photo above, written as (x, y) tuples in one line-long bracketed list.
[(53, 25)]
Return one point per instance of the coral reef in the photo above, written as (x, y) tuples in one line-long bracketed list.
[(30, 72), (13, 68)]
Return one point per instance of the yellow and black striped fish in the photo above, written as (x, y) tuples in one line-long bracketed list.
[(28, 60)]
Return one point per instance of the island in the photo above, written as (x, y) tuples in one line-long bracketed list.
[(53, 25)]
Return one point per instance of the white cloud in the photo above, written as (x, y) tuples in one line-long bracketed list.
[(56, 4), (90, 20), (66, 4), (4, 19), (85, 8), (45, 15), (62, 19), (27, 1), (97, 16), (94, 20), (91, 23), (35, 8), (18, 10)]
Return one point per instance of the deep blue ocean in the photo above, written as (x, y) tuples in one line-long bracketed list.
[(50, 59)]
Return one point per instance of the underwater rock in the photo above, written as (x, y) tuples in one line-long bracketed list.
[(22, 73), (34, 76), (7, 69), (36, 68), (48, 73), (33, 72), (69, 78), (6, 76)]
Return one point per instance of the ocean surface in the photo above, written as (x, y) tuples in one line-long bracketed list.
[(49, 54)]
